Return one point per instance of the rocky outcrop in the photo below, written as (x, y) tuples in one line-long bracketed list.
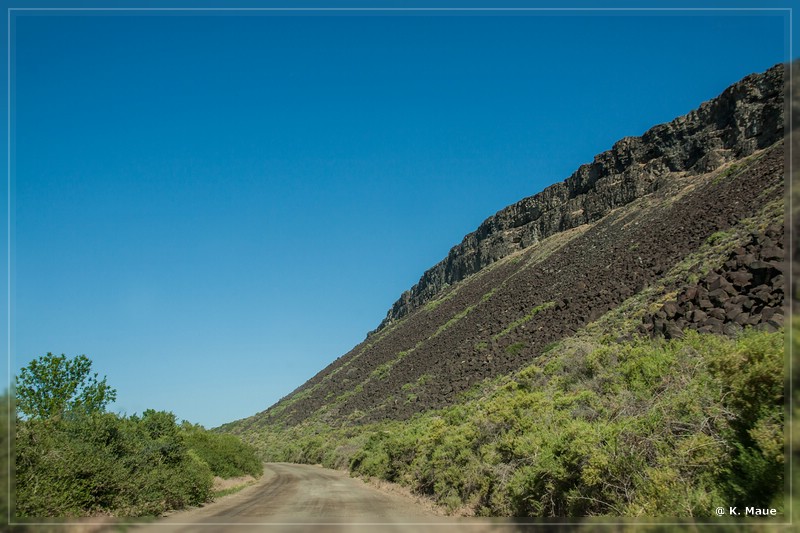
[(748, 290), (513, 313), (507, 317), (746, 117)]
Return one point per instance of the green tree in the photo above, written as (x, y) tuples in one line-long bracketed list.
[(53, 385)]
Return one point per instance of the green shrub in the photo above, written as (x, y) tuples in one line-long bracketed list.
[(105, 464), (636, 428), (515, 349), (382, 371), (226, 455), (453, 320), (73, 459), (525, 319)]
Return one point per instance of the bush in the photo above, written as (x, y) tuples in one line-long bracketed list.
[(73, 459), (225, 454), (101, 463), (636, 428)]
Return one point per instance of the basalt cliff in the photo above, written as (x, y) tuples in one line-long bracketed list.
[(681, 228), (746, 117)]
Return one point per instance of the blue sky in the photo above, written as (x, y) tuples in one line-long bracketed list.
[(214, 206)]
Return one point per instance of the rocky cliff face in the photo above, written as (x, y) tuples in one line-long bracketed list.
[(746, 117), (679, 229)]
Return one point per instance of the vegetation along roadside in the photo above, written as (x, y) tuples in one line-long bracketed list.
[(75, 459)]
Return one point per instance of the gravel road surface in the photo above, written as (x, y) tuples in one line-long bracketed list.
[(291, 497)]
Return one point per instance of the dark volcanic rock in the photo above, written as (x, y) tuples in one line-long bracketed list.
[(740, 279), (589, 271), (730, 306), (643, 207), (670, 309), (744, 118)]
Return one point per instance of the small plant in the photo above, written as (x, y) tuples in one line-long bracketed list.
[(549, 347), (527, 318), (348, 394), (424, 378), (453, 320), (731, 170), (728, 172), (382, 371), (515, 349), (433, 304), (231, 490), (442, 297), (717, 237)]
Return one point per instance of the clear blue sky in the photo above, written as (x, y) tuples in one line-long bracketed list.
[(213, 207)]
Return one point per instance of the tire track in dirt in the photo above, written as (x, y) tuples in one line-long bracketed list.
[(292, 497)]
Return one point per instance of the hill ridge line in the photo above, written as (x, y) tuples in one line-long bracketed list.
[(744, 118)]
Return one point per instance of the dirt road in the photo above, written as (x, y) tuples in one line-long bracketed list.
[(292, 497)]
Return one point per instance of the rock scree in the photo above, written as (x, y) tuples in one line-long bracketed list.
[(746, 117), (746, 291), (542, 269)]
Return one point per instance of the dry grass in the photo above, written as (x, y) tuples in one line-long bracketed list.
[(228, 485), (426, 503)]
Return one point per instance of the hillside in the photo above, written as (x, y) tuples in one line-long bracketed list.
[(577, 249), (539, 315), (746, 117)]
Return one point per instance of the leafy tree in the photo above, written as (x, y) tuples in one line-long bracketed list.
[(53, 385), (74, 459)]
